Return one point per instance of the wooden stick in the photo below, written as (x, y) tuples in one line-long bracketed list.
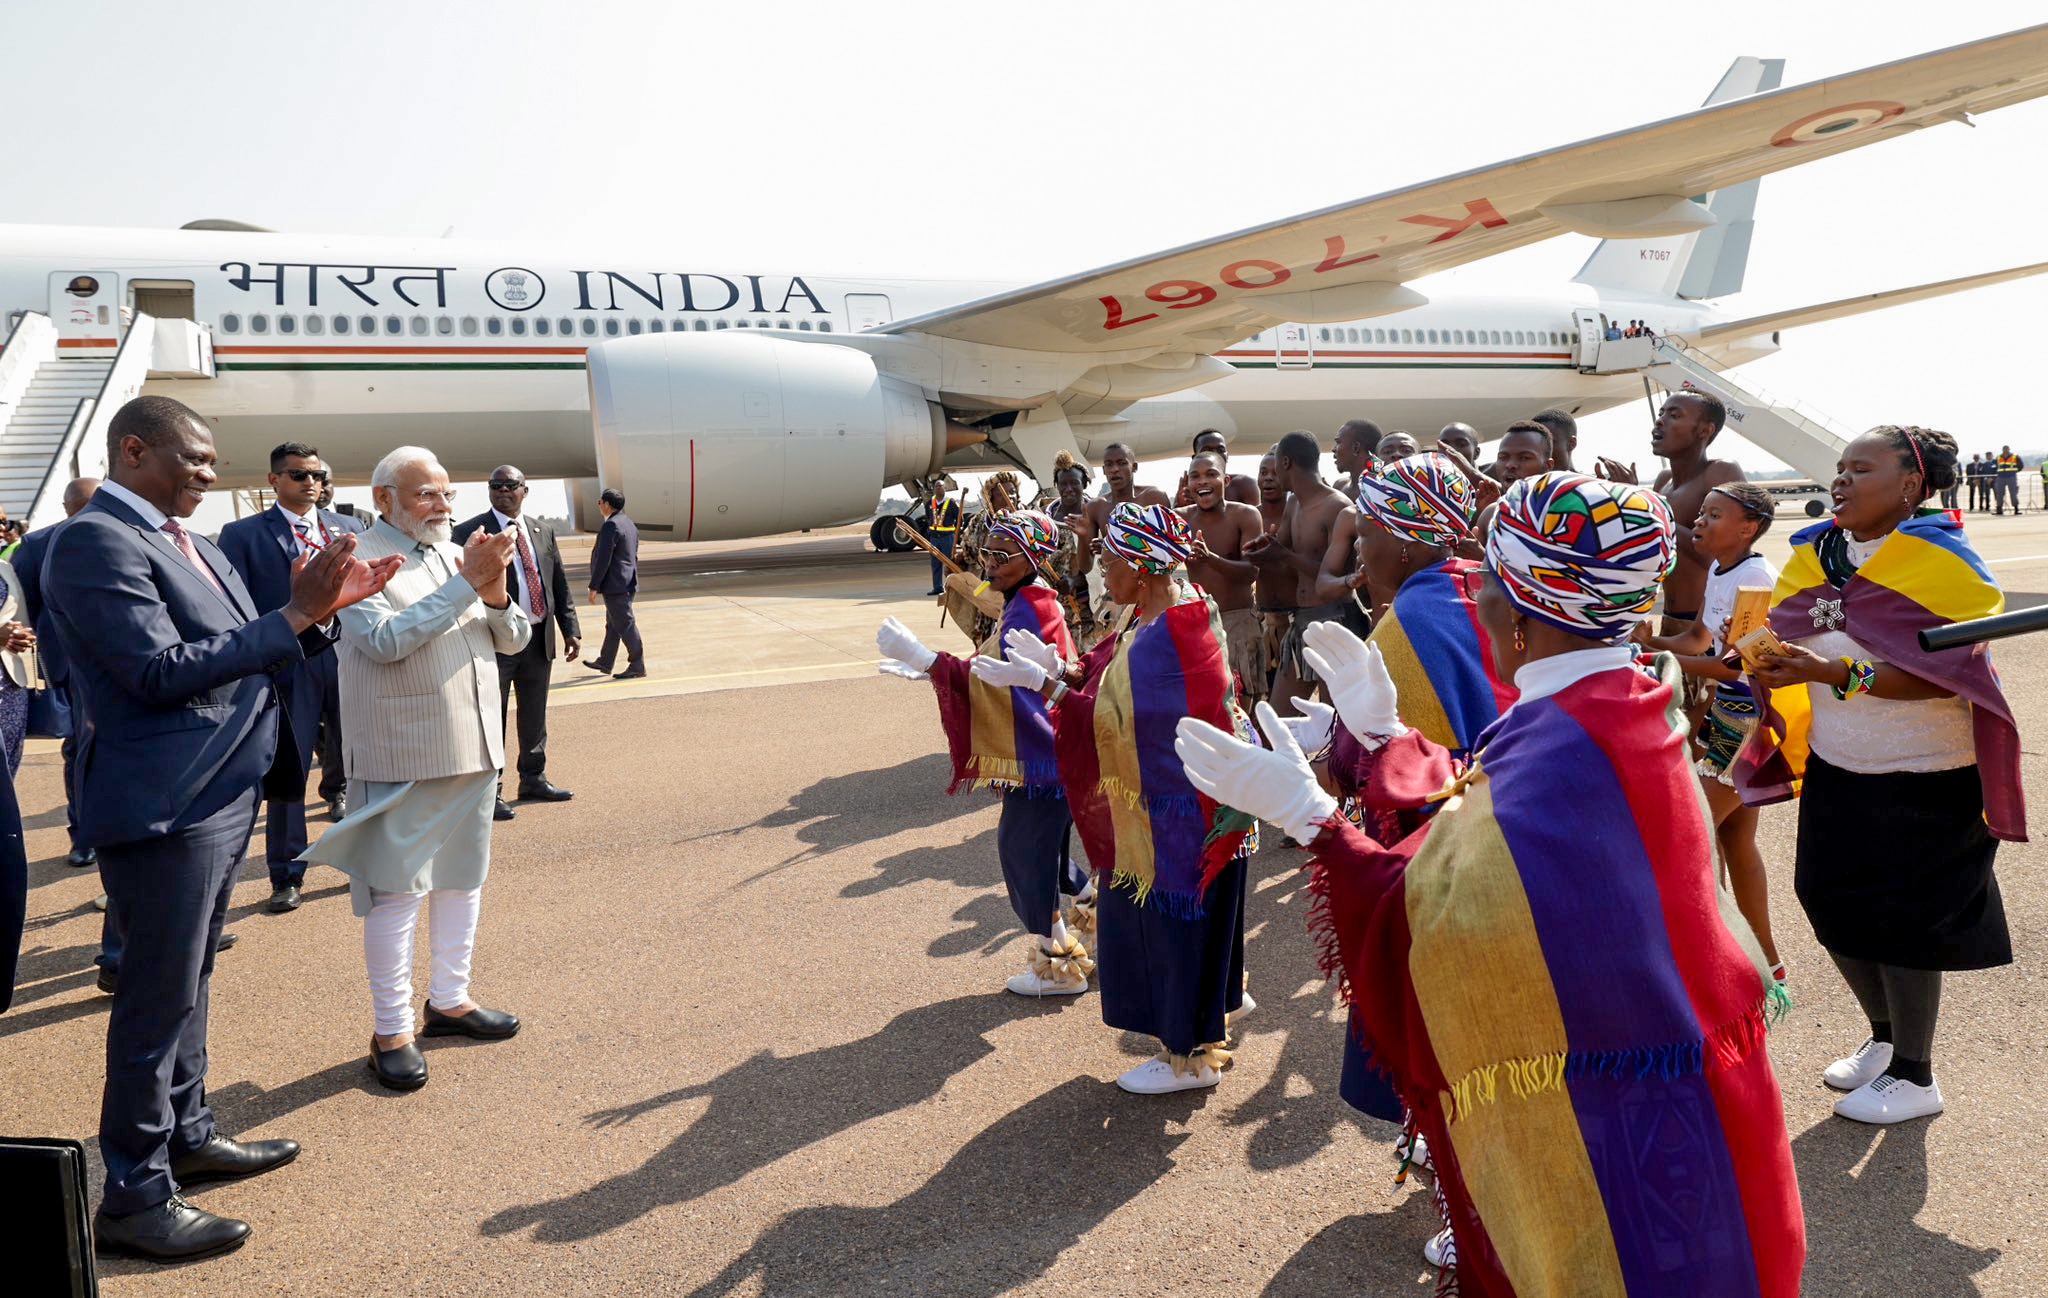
[(911, 533)]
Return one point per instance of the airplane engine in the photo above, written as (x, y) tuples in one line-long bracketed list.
[(732, 434)]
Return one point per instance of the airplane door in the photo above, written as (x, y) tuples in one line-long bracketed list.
[(1590, 336), (865, 311), (86, 304), (1293, 347)]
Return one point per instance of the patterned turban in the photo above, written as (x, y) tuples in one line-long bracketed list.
[(1150, 537), (1423, 498), (1035, 534), (1582, 554)]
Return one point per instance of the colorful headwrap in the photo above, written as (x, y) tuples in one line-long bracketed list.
[(1423, 498), (1035, 533), (1150, 537), (1582, 554)]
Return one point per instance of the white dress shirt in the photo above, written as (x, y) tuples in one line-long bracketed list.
[(311, 520), (517, 577), (151, 515)]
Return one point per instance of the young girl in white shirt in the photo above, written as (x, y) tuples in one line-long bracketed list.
[(1731, 520)]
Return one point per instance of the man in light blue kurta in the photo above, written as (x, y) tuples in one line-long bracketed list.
[(423, 749)]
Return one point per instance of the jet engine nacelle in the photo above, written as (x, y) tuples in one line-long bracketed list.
[(719, 435)]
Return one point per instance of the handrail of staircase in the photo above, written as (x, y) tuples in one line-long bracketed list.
[(124, 380), (29, 344)]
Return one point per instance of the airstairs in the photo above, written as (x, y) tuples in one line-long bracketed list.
[(1801, 437), (56, 399)]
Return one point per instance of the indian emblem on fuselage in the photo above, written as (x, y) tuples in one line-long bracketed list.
[(515, 288)]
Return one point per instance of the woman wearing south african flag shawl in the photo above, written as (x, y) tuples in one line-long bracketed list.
[(1170, 931), (1572, 1008), (1001, 738), (1906, 763)]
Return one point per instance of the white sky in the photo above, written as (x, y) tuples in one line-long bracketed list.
[(1023, 141)]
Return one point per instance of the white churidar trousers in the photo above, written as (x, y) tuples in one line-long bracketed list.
[(388, 950)]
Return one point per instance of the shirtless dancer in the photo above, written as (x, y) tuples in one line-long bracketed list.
[(1356, 451), (1222, 529), (1275, 593), (1313, 509), (1242, 489), (1118, 466), (1685, 429)]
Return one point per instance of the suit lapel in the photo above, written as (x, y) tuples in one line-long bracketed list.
[(183, 566), (281, 532)]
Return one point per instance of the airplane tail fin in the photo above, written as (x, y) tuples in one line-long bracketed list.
[(1709, 263)]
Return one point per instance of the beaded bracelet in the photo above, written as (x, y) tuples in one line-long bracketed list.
[(1862, 675)]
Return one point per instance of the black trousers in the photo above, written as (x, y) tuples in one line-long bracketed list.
[(333, 773), (168, 896), (526, 674), (619, 626), (77, 702)]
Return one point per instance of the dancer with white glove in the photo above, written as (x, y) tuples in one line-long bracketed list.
[(1553, 955), (1000, 736)]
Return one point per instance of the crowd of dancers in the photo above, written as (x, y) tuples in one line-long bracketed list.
[(1514, 806)]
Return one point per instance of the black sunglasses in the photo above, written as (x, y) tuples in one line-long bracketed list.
[(507, 484), (300, 475)]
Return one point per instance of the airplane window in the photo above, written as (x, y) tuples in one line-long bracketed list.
[(1379, 335), (1432, 335), (699, 325), (1496, 335), (611, 328), (231, 323), (366, 325), (656, 326), (589, 327), (443, 325), (494, 326), (1407, 336), (341, 324), (725, 324), (519, 326), (287, 323), (565, 326), (542, 325), (419, 326), (740, 324), (259, 323), (1322, 335), (393, 325), (316, 324), (824, 326), (803, 326), (469, 326), (632, 327)]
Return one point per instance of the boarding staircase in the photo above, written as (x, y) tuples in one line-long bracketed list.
[(1800, 436), (57, 398)]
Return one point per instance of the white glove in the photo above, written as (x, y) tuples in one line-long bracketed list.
[(1022, 644), (1312, 729), (1356, 675), (897, 667), (1275, 785), (895, 641), (1011, 672)]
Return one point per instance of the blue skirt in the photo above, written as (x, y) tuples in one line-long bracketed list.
[(1362, 1085), (1032, 844), (1172, 978)]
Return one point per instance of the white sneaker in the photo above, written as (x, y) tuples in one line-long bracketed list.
[(1156, 1077), (1860, 1069), (1437, 1250), (1245, 1005), (1031, 983), (1889, 1099)]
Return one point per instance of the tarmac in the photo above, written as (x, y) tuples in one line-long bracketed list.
[(759, 961)]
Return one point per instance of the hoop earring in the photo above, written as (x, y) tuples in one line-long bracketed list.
[(1519, 646)]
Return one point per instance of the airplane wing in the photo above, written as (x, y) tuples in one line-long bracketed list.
[(1848, 306), (1351, 261)]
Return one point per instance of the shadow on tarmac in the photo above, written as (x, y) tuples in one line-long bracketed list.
[(770, 1106), (996, 1216), (1859, 1214), (864, 806)]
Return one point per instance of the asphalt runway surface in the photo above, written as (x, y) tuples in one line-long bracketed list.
[(759, 961)]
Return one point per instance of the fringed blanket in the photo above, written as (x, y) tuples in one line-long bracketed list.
[(1000, 735), (1925, 574), (1559, 992), (1144, 825)]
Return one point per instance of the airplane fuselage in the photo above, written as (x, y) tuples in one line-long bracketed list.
[(477, 349)]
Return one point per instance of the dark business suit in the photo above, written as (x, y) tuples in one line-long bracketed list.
[(181, 725), (13, 885), (527, 672), (262, 548), (615, 575)]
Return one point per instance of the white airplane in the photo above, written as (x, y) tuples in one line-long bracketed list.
[(732, 404)]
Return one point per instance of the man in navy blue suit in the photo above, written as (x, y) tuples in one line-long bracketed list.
[(28, 570), (175, 667), (263, 548), (615, 576)]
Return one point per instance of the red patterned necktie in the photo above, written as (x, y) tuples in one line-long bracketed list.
[(533, 596), (183, 540)]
